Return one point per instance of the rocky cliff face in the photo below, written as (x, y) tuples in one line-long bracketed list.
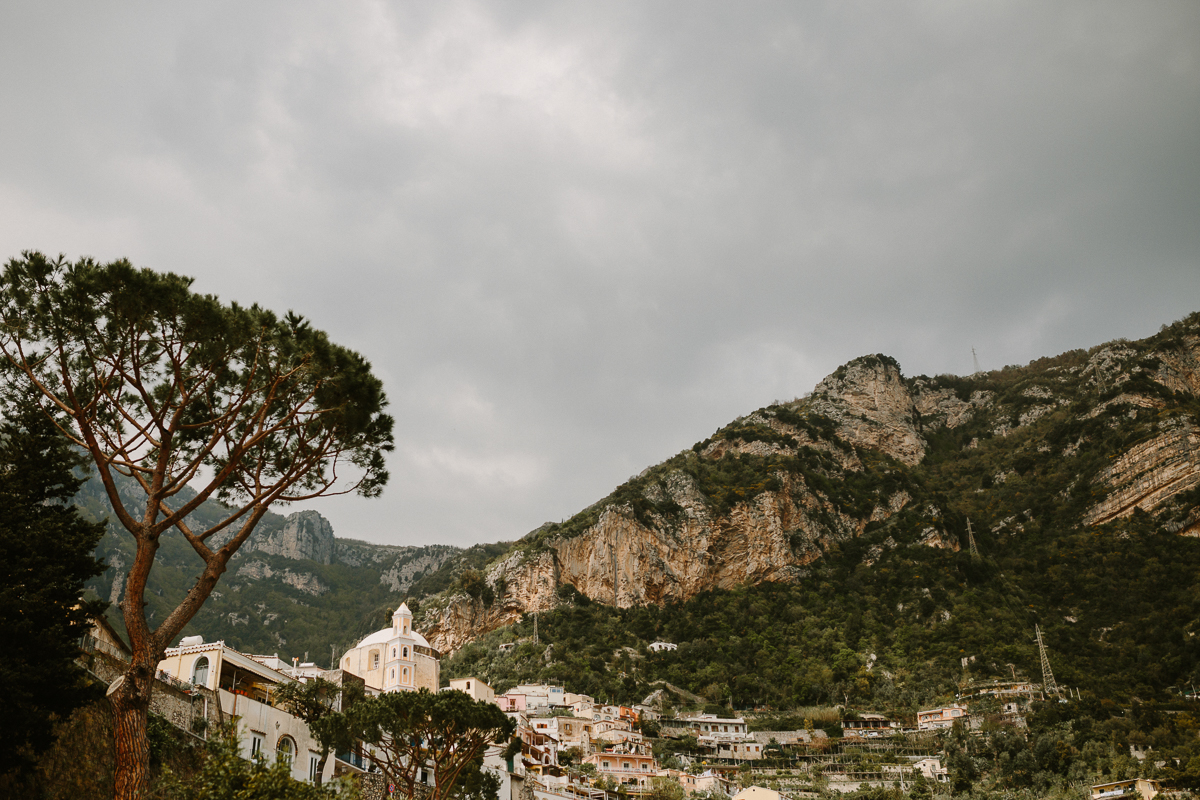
[(873, 408), (304, 581), (693, 525), (303, 535), (627, 559)]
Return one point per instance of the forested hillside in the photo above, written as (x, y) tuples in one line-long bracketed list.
[(1078, 475)]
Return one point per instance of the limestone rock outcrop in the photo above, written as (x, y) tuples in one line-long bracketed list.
[(873, 407), (408, 566), (303, 535), (305, 582), (622, 561), (1152, 472)]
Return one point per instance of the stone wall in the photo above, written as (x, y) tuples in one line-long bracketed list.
[(183, 705)]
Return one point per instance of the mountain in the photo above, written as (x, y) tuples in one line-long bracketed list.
[(294, 588), (1077, 477)]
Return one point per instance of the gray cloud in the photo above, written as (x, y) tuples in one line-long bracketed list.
[(576, 238)]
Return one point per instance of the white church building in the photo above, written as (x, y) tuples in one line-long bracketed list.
[(395, 659)]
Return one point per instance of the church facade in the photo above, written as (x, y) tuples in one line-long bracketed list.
[(395, 659)]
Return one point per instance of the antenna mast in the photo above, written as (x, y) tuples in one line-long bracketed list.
[(975, 358), (1048, 684), (971, 540)]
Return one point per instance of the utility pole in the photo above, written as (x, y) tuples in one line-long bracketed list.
[(1048, 684), (971, 540)]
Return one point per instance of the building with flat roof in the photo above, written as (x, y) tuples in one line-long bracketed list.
[(940, 718), (477, 689), (245, 690)]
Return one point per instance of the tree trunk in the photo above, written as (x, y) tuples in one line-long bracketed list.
[(130, 699), (318, 780)]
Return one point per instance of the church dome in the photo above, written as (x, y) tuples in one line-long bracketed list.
[(387, 634)]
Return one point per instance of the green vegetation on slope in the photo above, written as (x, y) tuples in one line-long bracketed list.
[(884, 619)]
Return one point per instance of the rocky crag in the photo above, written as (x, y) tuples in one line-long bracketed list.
[(777, 489), (288, 587)]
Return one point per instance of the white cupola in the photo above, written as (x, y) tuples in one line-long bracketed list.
[(402, 620)]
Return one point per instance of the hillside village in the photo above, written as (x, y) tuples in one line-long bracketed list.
[(573, 746)]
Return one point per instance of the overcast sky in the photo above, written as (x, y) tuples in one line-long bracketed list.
[(576, 238)]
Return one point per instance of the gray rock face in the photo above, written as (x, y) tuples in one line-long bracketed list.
[(873, 408), (406, 568), (305, 534), (305, 582)]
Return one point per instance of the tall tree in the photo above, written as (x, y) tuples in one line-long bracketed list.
[(174, 389), (317, 701), (45, 557), (444, 733)]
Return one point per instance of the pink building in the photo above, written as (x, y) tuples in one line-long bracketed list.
[(511, 702)]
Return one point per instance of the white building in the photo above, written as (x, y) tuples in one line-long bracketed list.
[(932, 769), (539, 696), (245, 689), (658, 647), (724, 728), (395, 659), (757, 793)]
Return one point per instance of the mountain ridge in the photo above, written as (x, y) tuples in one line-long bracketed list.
[(770, 493)]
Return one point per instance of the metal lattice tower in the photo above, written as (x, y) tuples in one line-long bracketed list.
[(971, 540), (1048, 684), (975, 358)]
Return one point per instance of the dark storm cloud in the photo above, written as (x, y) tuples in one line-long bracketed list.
[(576, 238)]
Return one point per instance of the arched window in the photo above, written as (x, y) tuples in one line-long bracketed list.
[(285, 751), (200, 671), (347, 662), (405, 675), (392, 677), (393, 652), (406, 652)]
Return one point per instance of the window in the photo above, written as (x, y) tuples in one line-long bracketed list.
[(645, 767), (393, 652), (624, 765), (200, 671), (347, 662), (405, 675), (256, 743), (468, 686), (285, 750), (406, 652), (605, 765), (314, 762), (374, 659), (392, 677)]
